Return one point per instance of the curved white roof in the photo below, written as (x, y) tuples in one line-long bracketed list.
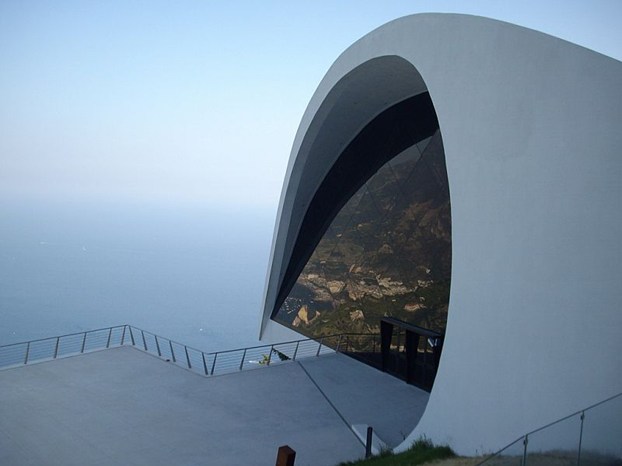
[(531, 130)]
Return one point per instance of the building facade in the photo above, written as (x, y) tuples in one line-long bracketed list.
[(463, 175)]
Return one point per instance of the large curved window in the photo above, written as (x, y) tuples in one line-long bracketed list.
[(386, 253)]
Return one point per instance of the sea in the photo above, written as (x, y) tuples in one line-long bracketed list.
[(194, 274)]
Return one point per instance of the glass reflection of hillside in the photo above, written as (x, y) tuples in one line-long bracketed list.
[(387, 253)]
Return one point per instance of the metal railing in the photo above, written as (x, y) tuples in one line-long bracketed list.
[(365, 343), (591, 436), (62, 346), (208, 364), (223, 362)]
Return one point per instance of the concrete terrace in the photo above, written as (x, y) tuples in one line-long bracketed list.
[(124, 406)]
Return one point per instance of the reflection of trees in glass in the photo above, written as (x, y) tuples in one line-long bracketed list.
[(387, 252)]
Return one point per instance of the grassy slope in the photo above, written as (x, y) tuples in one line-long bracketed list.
[(422, 451)]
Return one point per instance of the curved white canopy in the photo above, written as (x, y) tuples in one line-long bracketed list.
[(533, 146)]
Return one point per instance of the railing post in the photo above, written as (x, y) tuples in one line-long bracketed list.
[(243, 357), (170, 344), (296, 350), (580, 439), (525, 442), (339, 342), (132, 336), (83, 343), (270, 355), (27, 351), (319, 348), (204, 363), (368, 441), (285, 456), (123, 335), (109, 336), (144, 341), (56, 347), (158, 346), (187, 357), (214, 363)]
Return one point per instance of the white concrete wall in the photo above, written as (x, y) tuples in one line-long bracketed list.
[(532, 129)]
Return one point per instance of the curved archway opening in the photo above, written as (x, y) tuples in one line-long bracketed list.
[(375, 245), (365, 221)]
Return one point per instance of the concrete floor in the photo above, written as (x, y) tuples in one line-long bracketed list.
[(123, 406)]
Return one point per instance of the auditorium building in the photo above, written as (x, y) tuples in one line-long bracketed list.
[(455, 188)]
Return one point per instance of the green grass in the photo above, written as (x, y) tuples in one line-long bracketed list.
[(422, 451)]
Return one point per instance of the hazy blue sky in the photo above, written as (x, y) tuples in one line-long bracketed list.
[(195, 100)]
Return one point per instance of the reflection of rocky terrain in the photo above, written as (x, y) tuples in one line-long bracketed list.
[(388, 252)]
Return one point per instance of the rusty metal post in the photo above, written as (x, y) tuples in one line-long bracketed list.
[(285, 456)]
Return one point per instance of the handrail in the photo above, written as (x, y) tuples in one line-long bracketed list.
[(62, 336), (61, 346), (525, 437), (571, 415), (189, 347), (205, 363), (226, 361)]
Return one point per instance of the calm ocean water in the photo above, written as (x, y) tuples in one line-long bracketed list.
[(195, 275)]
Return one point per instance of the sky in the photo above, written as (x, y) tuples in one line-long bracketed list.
[(195, 102)]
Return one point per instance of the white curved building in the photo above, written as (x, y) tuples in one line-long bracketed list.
[(531, 128)]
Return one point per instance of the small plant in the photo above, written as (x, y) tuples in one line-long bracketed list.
[(265, 358)]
